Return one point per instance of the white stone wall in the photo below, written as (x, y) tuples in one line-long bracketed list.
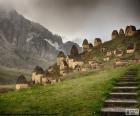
[(109, 53), (37, 78), (120, 63), (21, 86), (106, 59), (59, 60), (130, 51)]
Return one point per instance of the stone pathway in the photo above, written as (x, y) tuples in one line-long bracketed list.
[(123, 96)]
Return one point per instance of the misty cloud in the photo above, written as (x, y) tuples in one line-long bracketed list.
[(79, 19)]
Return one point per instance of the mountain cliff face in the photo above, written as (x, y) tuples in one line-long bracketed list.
[(23, 42)]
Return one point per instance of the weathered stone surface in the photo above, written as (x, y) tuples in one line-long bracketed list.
[(131, 48), (121, 33), (109, 53), (61, 54), (85, 45), (74, 51), (97, 42), (64, 68), (130, 31), (85, 42), (118, 52), (122, 97), (106, 59), (21, 82), (103, 50), (90, 46), (73, 62), (38, 70), (121, 63), (37, 75), (115, 34)]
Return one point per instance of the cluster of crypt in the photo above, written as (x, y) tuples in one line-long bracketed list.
[(116, 53), (39, 77), (69, 63), (75, 63)]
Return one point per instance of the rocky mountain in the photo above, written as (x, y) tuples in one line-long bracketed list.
[(24, 43)]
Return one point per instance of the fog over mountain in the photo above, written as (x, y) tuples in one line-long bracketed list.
[(78, 19), (24, 43)]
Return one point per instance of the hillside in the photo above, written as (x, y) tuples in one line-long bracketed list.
[(119, 43), (9, 76), (80, 96), (25, 44)]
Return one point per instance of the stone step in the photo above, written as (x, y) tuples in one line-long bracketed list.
[(114, 111), (125, 89), (131, 71), (123, 95), (119, 95), (126, 84), (127, 79), (130, 75), (120, 103)]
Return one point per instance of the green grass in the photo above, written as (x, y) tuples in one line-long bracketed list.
[(82, 96)]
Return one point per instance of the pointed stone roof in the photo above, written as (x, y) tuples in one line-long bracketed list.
[(85, 42), (61, 54), (131, 27), (121, 32), (38, 70), (21, 80), (115, 32), (98, 40)]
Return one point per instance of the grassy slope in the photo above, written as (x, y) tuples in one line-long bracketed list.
[(81, 96), (111, 45)]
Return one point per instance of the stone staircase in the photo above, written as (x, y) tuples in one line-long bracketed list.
[(123, 96)]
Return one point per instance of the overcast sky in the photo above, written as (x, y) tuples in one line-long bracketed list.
[(78, 19)]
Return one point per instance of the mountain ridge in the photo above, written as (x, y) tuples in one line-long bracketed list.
[(24, 39)]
